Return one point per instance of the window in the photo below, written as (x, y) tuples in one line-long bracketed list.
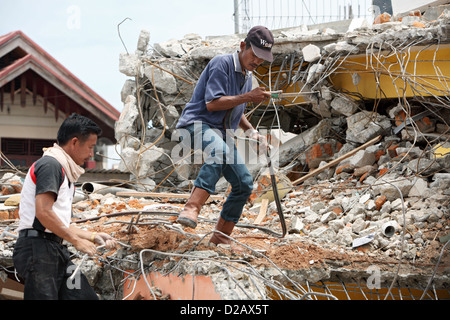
[(23, 152)]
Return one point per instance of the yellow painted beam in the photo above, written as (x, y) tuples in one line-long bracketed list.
[(421, 71), (271, 78)]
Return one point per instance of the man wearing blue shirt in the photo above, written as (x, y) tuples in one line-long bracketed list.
[(215, 110)]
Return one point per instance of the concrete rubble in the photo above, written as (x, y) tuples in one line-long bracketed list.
[(386, 205)]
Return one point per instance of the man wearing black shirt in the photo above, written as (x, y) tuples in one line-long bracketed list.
[(40, 257)]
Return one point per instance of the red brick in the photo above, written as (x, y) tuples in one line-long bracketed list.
[(7, 191), (400, 118), (383, 172), (17, 186), (313, 153), (337, 210), (321, 152), (364, 176), (341, 168), (4, 215), (425, 125), (379, 154), (379, 202), (8, 214), (392, 151), (328, 149)]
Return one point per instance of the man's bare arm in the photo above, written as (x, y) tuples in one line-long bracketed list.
[(49, 219), (257, 95)]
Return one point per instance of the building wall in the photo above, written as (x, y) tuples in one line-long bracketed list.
[(30, 121)]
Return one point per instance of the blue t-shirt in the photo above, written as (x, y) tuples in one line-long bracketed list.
[(222, 77)]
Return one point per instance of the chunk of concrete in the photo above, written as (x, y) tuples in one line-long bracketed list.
[(171, 48), (128, 89), (344, 105), (366, 125), (327, 217), (162, 80), (388, 185), (129, 64), (341, 46), (361, 159), (297, 225), (140, 162), (441, 181), (126, 123), (314, 72), (326, 93), (322, 109), (144, 38), (419, 188), (311, 53), (424, 166), (311, 217)]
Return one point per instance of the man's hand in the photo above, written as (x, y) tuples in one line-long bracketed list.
[(258, 95), (85, 246), (262, 140), (104, 239)]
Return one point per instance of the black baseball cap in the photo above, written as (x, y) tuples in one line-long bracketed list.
[(262, 42)]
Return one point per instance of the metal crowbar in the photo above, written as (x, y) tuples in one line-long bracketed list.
[(274, 190)]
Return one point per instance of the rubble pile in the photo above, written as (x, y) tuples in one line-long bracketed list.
[(362, 182), (339, 225), (163, 76)]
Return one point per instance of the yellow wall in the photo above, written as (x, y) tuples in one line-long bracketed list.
[(422, 71)]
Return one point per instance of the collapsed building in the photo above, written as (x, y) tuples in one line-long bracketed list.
[(360, 205)]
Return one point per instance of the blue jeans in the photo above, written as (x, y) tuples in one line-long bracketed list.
[(221, 158)]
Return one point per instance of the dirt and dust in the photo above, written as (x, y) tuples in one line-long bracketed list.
[(290, 254)]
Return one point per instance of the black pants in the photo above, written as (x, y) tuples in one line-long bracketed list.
[(45, 267)]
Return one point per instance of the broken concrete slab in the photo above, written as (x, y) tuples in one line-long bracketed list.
[(344, 105), (366, 125), (341, 46), (419, 188), (361, 159), (125, 126), (391, 187), (161, 79)]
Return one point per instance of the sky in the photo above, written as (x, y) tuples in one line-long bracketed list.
[(83, 34)]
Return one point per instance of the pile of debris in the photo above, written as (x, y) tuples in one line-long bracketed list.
[(163, 78), (338, 228), (363, 181)]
